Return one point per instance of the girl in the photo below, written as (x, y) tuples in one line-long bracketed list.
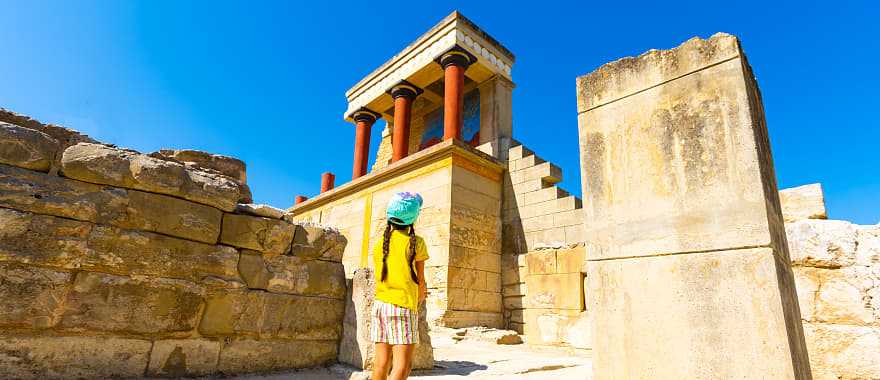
[(399, 260)]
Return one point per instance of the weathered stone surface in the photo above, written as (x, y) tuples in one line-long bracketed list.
[(318, 242), (73, 357), (843, 352), (272, 316), (356, 347), (106, 165), (803, 202), (488, 335), (259, 210), (31, 297), (555, 291), (541, 262), (225, 165), (625, 299), (26, 148), (548, 326), (102, 302), (184, 357), (868, 250), (247, 355), (43, 240), (257, 233), (822, 243), (47, 194), (295, 275), (65, 136)]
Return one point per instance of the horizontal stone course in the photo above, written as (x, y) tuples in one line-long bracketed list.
[(131, 209), (243, 355), (27, 148), (292, 275), (31, 297), (184, 357), (72, 357)]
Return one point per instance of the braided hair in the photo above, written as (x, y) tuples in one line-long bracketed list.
[(386, 240)]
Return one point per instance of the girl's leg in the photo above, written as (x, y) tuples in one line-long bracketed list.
[(381, 361), (403, 358)]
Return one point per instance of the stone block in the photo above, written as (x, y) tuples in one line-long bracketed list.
[(184, 357), (43, 240), (538, 223), (107, 165), (514, 290), (472, 238), (225, 165), (518, 152), (822, 243), (578, 332), (464, 197), (464, 258), (575, 234), (356, 347), (843, 295), (548, 326), (474, 300), (807, 282), (868, 249), (259, 210), (27, 148), (625, 299), (843, 351), (292, 275), (465, 318), (513, 303), (468, 218), (555, 291), (31, 297), (543, 195), (72, 357), (244, 355), (108, 303), (257, 233), (570, 260), (803, 202), (464, 278), (541, 262), (318, 242), (51, 195)]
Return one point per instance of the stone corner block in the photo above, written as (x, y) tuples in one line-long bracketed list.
[(803, 202), (258, 233), (314, 241)]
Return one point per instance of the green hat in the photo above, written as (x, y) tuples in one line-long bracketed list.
[(403, 208)]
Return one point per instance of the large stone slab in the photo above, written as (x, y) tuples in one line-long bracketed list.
[(257, 233), (225, 165), (803, 202), (688, 267), (292, 275), (107, 165), (314, 241), (268, 315), (249, 355), (31, 297), (356, 347), (843, 351), (66, 137), (694, 333), (154, 307), (72, 357), (27, 148), (63, 243), (184, 357), (47, 194)]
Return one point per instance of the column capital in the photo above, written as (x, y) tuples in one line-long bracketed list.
[(365, 114), (405, 89), (457, 56)]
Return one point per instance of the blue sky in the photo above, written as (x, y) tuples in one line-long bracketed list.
[(265, 80)]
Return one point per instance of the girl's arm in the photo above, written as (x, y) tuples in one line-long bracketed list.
[(423, 285)]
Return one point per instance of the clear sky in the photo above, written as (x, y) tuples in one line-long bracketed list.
[(265, 80)]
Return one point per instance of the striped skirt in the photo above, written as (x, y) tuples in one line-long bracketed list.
[(393, 324)]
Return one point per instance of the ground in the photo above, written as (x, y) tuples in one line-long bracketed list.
[(474, 360)]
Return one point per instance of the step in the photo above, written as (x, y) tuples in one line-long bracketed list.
[(524, 163), (518, 152), (546, 171)]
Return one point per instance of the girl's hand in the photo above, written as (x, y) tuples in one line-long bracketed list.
[(423, 292)]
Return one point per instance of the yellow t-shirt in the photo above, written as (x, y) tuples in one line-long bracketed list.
[(398, 288)]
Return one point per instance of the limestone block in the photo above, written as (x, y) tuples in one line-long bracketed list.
[(543, 195), (541, 262), (464, 258), (465, 217), (548, 326), (868, 249), (183, 357), (464, 197), (292, 275), (487, 335), (269, 315), (466, 318), (512, 290), (356, 347), (66, 137), (842, 296), (72, 357), (31, 297), (513, 303), (259, 210), (242, 355), (625, 299), (575, 234), (474, 300), (225, 165), (477, 239), (555, 291), (803, 202), (578, 332), (103, 302), (570, 260), (257, 233), (463, 278), (822, 243), (843, 352), (26, 148), (106, 165), (47, 194), (518, 152), (318, 242), (43, 240), (807, 281), (538, 223)]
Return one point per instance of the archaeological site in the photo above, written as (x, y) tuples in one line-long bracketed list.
[(683, 260)]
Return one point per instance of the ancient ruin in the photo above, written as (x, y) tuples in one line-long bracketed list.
[(684, 260)]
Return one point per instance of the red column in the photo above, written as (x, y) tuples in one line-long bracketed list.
[(363, 119), (300, 199), (327, 182), (403, 93), (454, 64)]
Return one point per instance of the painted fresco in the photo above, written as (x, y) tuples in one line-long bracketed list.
[(470, 131)]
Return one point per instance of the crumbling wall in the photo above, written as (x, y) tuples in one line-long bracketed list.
[(115, 263)]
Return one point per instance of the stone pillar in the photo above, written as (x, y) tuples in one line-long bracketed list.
[(403, 93), (327, 182), (364, 119), (687, 262), (454, 63)]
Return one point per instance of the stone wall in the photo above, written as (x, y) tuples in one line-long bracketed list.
[(115, 263)]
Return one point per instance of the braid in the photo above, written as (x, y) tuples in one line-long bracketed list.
[(412, 253), (386, 239)]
